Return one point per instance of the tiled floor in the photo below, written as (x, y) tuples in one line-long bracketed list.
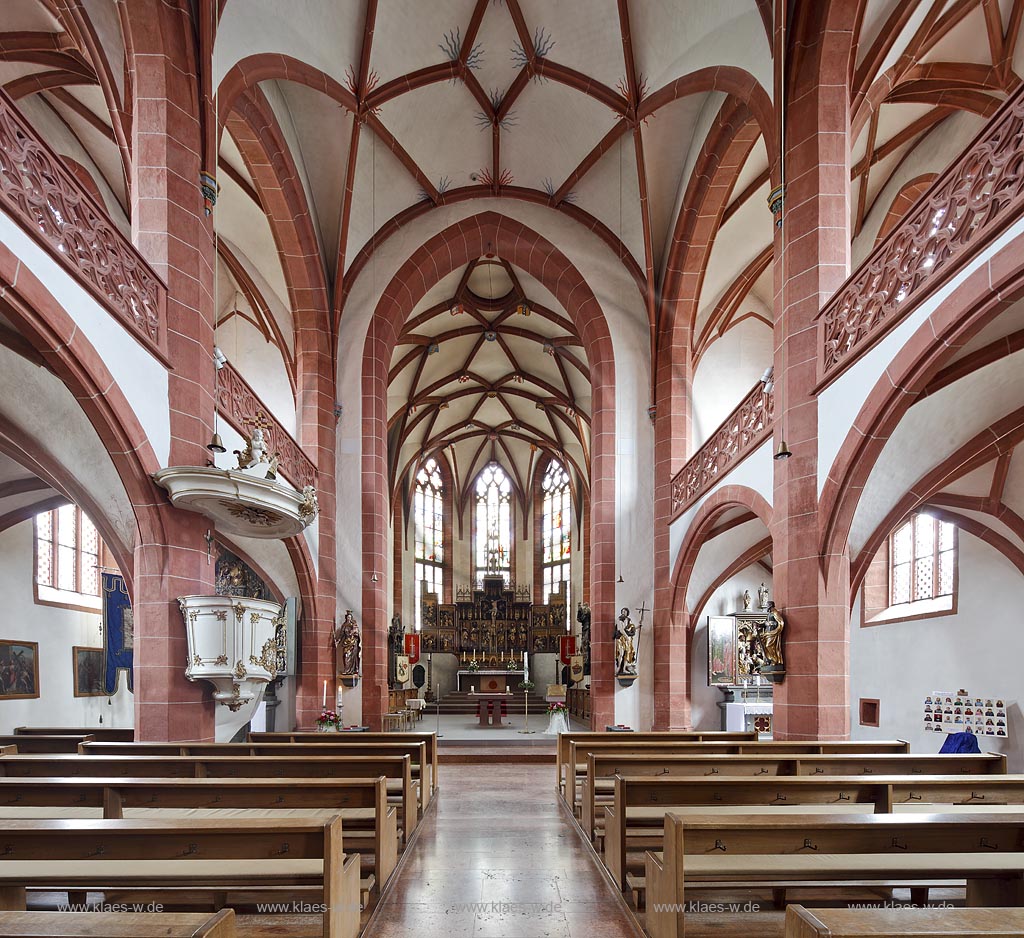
[(496, 858), (464, 726)]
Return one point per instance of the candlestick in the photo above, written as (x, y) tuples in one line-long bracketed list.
[(325, 695)]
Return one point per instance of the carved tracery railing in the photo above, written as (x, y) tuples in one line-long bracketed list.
[(53, 206), (240, 405), (966, 207), (746, 428)]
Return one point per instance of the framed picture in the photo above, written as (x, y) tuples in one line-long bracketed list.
[(88, 670), (19, 670), (721, 650)]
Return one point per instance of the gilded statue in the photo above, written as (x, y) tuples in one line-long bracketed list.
[(347, 644), (770, 634)]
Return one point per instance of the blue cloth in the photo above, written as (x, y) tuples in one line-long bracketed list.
[(960, 742), (118, 632)]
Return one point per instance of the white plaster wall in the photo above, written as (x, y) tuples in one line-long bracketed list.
[(705, 713), (57, 631), (728, 370), (979, 649), (140, 376)]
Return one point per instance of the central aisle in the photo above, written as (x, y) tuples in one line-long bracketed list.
[(497, 858)]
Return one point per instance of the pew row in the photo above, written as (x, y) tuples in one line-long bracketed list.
[(371, 827), (162, 855), (429, 739), (603, 768), (634, 821), (834, 851), (564, 740), (416, 750), (915, 923), (39, 742), (59, 766), (118, 924), (108, 734)]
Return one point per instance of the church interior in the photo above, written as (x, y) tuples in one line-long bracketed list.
[(406, 405)]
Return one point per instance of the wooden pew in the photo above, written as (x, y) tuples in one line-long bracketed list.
[(109, 734), (774, 764), (430, 739), (371, 824), (40, 743), (118, 924), (565, 739), (206, 854), (919, 923), (985, 850), (416, 750), (61, 765), (579, 752), (634, 822)]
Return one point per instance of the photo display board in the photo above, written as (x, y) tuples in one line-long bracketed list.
[(961, 712)]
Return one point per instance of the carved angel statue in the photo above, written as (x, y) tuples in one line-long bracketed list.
[(347, 643), (309, 507), (255, 451)]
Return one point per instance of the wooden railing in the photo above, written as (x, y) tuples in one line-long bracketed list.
[(962, 212), (239, 404), (38, 190), (746, 428)]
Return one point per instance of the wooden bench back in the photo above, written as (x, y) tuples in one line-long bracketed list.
[(601, 765), (920, 923), (56, 766), (111, 734), (119, 924), (42, 743), (564, 739), (429, 739)]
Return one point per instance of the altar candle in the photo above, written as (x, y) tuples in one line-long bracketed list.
[(325, 695)]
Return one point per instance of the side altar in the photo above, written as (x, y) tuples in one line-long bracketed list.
[(493, 624)]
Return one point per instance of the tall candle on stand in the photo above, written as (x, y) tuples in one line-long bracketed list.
[(526, 668), (325, 695)]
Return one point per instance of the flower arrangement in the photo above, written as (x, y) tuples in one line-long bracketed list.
[(474, 665), (512, 665), (526, 685), (327, 720), (557, 707)]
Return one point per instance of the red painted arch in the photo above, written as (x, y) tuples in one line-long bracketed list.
[(458, 244)]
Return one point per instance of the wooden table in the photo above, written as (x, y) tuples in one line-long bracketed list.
[(491, 703)]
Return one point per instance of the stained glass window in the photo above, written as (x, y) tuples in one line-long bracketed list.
[(492, 549), (556, 530), (428, 521), (68, 549), (922, 560)]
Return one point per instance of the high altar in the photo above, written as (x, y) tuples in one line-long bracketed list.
[(493, 624)]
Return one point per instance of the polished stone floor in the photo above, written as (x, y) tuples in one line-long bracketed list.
[(497, 858)]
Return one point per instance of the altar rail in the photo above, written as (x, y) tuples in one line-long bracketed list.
[(58, 211), (963, 211), (239, 404), (746, 428)]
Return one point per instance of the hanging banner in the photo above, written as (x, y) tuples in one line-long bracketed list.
[(402, 673), (576, 669), (412, 648), (118, 632), (566, 647)]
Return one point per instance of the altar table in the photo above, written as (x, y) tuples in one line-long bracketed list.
[(489, 682), (491, 708)]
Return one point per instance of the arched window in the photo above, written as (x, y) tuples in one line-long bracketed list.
[(492, 550), (922, 561), (428, 520), (69, 555), (556, 531)]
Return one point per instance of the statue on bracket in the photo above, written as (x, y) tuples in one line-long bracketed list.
[(396, 647), (348, 645), (583, 617), (626, 641)]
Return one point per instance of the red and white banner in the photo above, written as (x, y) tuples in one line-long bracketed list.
[(412, 648), (567, 647)]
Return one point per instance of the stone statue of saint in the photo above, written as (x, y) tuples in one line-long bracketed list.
[(347, 643), (746, 600), (397, 634), (583, 617), (625, 644), (762, 597)]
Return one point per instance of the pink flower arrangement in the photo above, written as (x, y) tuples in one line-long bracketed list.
[(327, 718)]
